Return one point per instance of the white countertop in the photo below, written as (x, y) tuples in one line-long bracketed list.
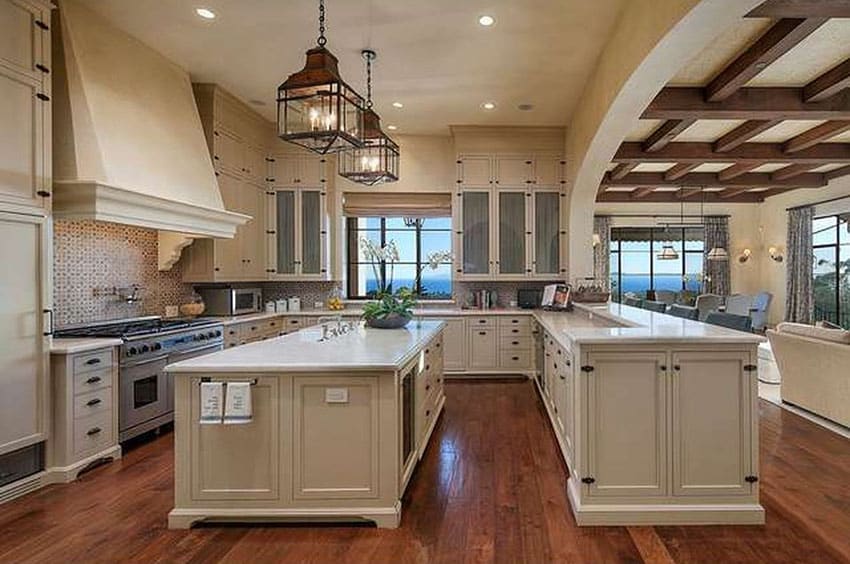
[(363, 349), (356, 312), (73, 345)]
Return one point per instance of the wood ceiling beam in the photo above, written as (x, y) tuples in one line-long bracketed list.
[(791, 171), (687, 193), (801, 9), (829, 83), (642, 192), (622, 170), (692, 152), (744, 198), (775, 42), (815, 135), (772, 192), (732, 192), (754, 103), (737, 170), (744, 133), (837, 173), (711, 179), (680, 170), (665, 133)]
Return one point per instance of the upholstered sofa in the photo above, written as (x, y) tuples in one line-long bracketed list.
[(814, 363)]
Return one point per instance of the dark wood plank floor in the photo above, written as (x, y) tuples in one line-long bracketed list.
[(491, 488)]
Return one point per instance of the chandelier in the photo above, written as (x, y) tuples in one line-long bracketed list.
[(377, 160), (316, 109)]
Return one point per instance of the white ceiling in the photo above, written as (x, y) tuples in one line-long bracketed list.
[(432, 55)]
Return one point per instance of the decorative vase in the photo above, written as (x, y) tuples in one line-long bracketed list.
[(392, 321)]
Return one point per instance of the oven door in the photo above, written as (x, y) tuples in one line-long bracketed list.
[(186, 355), (143, 392)]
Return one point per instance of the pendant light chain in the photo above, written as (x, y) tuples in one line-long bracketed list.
[(369, 81), (322, 40)]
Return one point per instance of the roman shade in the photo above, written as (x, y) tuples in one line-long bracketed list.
[(383, 204)]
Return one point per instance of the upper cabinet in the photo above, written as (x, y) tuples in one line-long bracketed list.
[(25, 108), (509, 217)]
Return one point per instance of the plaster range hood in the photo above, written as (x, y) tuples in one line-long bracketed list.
[(127, 138)]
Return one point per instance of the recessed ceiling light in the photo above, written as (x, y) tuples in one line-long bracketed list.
[(486, 21), (205, 13), (489, 105), (392, 127), (398, 105)]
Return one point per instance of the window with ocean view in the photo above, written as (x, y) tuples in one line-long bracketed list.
[(636, 268), (831, 269), (415, 240)]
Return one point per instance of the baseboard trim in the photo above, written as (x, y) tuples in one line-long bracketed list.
[(65, 474), (383, 517)]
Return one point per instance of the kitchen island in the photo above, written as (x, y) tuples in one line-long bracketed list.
[(337, 427)]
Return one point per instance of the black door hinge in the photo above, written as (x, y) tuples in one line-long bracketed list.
[(751, 479), (42, 68), (587, 368), (269, 179), (750, 368), (43, 193), (43, 97), (269, 160), (42, 25), (588, 480), (270, 232)]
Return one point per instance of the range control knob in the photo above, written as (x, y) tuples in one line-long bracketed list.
[(212, 335), (157, 346), (201, 337), (144, 348), (131, 351), (218, 332)]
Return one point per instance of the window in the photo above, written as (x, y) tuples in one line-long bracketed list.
[(636, 268), (831, 269), (415, 241)]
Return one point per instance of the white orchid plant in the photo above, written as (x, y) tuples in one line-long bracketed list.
[(400, 302)]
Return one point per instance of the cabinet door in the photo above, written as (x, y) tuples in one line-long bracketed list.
[(475, 229), (511, 233), (547, 233), (312, 232), (475, 171), (564, 402), (626, 421), (23, 364), (21, 43), (23, 178), (285, 170), (255, 163), (454, 345), (253, 234), (512, 171), (548, 172), (228, 252), (483, 346), (229, 154), (713, 402), (285, 231), (311, 171), (219, 452)]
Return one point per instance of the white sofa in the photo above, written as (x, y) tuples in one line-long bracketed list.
[(815, 367)]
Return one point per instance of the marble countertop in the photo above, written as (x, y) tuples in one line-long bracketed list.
[(356, 312), (363, 349), (73, 345)]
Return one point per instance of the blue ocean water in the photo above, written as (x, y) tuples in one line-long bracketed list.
[(639, 283), (432, 286)]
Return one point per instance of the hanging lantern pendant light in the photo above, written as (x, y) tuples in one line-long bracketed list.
[(667, 251), (377, 160), (316, 109)]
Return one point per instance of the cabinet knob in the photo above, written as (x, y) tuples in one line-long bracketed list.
[(482, 332), (663, 368), (93, 380), (93, 431), (676, 367), (93, 361), (93, 402)]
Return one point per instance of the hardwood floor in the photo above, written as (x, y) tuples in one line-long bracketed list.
[(490, 488)]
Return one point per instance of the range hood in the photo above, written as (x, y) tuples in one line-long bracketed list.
[(128, 146)]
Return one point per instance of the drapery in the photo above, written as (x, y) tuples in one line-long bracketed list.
[(716, 272), (602, 250), (798, 268)]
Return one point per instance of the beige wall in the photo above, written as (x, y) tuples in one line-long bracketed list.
[(473, 139)]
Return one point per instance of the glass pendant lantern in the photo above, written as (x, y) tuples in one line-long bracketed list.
[(316, 109), (376, 161), (668, 253)]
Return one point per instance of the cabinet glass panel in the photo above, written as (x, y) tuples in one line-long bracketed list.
[(476, 232), (547, 247), (285, 228), (512, 232), (311, 232)]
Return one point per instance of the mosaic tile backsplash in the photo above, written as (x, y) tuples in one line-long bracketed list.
[(91, 258)]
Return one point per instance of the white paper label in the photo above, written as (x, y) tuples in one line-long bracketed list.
[(336, 395)]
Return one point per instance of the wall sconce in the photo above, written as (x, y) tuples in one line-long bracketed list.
[(597, 240), (744, 256), (775, 254)]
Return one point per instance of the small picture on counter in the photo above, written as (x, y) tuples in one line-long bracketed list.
[(556, 296)]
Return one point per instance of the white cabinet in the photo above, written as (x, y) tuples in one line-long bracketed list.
[(512, 171), (548, 234), (483, 348), (454, 345), (475, 210), (298, 237), (513, 232), (24, 325), (294, 169)]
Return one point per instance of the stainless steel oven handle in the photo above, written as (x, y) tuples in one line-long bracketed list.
[(136, 363), (217, 346)]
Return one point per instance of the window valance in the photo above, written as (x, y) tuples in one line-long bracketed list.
[(396, 204)]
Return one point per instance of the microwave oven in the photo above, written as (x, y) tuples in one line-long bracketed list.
[(231, 301)]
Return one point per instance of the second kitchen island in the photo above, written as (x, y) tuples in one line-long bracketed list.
[(338, 426)]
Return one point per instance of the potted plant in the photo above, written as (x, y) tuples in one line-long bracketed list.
[(392, 309)]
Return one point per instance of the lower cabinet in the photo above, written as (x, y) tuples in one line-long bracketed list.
[(454, 353), (483, 348)]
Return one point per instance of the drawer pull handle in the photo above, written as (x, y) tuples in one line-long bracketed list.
[(482, 332), (438, 345), (562, 377), (427, 413), (93, 361), (482, 321), (93, 380), (676, 367), (514, 342), (514, 358), (427, 387), (93, 431), (93, 402)]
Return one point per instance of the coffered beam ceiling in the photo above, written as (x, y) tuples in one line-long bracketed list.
[(669, 196), (702, 152), (802, 9), (712, 179)]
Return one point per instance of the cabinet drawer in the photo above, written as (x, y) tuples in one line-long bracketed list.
[(515, 331), (92, 433), (250, 331), (292, 324), (514, 343), (92, 403), (518, 321), (515, 359), (272, 327), (481, 321), (91, 381), (90, 362)]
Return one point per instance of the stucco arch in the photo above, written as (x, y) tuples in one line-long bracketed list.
[(651, 41)]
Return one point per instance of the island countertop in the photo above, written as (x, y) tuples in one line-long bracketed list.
[(362, 349)]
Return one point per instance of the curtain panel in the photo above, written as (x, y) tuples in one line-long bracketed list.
[(799, 299), (716, 272), (602, 250)]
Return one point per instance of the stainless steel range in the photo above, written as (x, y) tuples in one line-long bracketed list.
[(146, 392)]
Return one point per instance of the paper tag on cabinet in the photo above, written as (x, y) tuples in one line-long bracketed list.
[(336, 395)]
